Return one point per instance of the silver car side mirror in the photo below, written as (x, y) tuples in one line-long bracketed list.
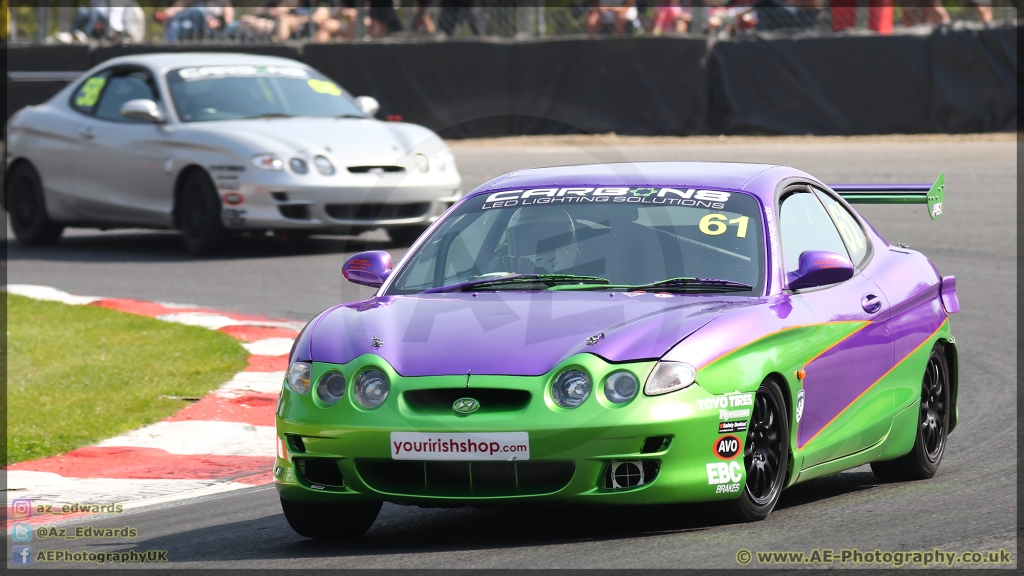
[(368, 104), (143, 109)]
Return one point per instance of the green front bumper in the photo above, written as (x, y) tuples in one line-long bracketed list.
[(672, 436)]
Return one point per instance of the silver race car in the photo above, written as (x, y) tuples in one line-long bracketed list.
[(214, 143)]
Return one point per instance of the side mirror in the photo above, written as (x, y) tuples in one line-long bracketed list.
[(820, 268), (368, 268), (368, 104), (143, 109)]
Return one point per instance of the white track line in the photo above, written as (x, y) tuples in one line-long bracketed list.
[(200, 437), (249, 382), (48, 293)]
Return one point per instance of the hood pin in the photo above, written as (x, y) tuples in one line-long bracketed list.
[(595, 338), (376, 342)]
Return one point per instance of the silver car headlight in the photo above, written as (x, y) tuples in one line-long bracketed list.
[(669, 377), (267, 162), (421, 162), (298, 376), (323, 165), (438, 163), (298, 165)]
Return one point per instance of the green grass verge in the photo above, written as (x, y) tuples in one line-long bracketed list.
[(79, 374)]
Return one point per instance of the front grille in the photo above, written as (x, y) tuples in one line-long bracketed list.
[(492, 400), (466, 479), (369, 169), (321, 471), (375, 212)]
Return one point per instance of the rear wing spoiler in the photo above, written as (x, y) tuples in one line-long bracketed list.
[(931, 194)]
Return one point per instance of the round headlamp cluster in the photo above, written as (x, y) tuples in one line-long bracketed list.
[(330, 388), (371, 388), (323, 165), (571, 388), (620, 387)]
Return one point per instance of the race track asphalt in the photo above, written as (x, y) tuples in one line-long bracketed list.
[(971, 504)]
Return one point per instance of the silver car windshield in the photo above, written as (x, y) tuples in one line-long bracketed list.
[(628, 236), (207, 93)]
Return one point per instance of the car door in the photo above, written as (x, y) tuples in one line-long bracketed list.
[(843, 413), (120, 164)]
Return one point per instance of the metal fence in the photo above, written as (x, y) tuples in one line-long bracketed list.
[(71, 21)]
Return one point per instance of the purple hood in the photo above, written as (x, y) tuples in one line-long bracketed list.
[(508, 333)]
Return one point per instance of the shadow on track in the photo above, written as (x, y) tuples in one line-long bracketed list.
[(408, 530)]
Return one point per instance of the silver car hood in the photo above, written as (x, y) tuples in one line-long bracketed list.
[(340, 137)]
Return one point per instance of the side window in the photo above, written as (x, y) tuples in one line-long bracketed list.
[(122, 87), (84, 100), (849, 229), (805, 225)]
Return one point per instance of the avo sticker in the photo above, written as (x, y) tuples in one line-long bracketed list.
[(727, 447)]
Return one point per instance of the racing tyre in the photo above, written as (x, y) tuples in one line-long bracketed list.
[(406, 235), (202, 229), (765, 454), (330, 521), (27, 209), (932, 427)]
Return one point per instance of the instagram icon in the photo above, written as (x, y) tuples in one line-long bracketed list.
[(21, 508)]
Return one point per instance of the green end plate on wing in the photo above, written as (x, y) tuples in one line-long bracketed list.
[(937, 197)]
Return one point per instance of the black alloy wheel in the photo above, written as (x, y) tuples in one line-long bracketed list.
[(27, 209), (202, 229), (765, 454), (932, 426)]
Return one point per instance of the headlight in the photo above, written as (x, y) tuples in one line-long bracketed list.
[(371, 388), (298, 377), (620, 387), (267, 162), (323, 165), (298, 165), (437, 163), (330, 388), (669, 377), (422, 164), (570, 389)]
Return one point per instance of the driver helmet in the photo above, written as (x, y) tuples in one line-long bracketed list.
[(541, 240)]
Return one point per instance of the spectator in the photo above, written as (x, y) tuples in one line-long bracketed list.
[(421, 21), (276, 19), (193, 19), (335, 23), (383, 18), (670, 17), (929, 12), (455, 12), (614, 17), (89, 23), (723, 19), (984, 10)]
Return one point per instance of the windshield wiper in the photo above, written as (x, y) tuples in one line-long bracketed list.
[(269, 115), (515, 279), (694, 285), (361, 117)]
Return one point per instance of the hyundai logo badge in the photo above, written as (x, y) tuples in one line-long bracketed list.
[(465, 406)]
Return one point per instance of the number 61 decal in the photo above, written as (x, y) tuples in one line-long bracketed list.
[(716, 224)]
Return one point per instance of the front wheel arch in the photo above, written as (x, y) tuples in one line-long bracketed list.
[(787, 399), (952, 366)]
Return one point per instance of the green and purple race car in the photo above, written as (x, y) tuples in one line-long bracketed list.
[(623, 334)]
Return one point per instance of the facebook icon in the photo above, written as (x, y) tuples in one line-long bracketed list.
[(21, 555)]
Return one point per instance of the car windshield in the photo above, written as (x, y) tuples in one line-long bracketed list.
[(627, 236), (207, 93)]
